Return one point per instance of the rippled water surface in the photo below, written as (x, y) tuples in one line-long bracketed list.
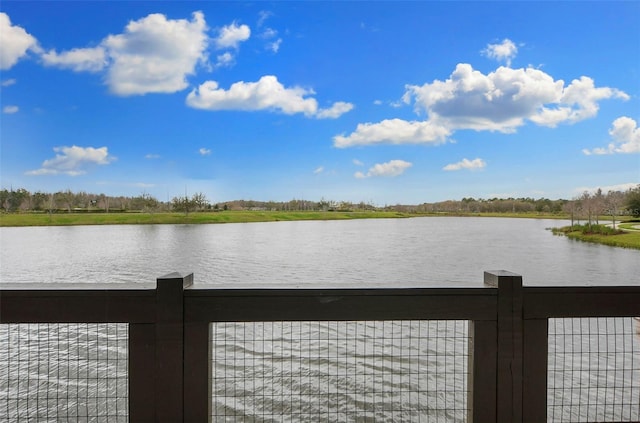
[(392, 252), (335, 371)]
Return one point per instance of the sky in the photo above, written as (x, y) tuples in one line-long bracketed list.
[(380, 102)]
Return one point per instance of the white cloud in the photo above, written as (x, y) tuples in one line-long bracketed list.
[(232, 35), (8, 82), (274, 46), (10, 109), (335, 111), (318, 170), (577, 102), (225, 60), (505, 51), (265, 94), (269, 33), (73, 161), (15, 42), (151, 156), (502, 100), (389, 169), (78, 59), (357, 162), (393, 131), (474, 164), (377, 102), (626, 138), (204, 151), (153, 55), (263, 15), (607, 188)]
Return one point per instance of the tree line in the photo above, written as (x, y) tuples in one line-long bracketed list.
[(69, 201), (588, 206)]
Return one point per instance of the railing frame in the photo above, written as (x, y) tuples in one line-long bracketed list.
[(170, 349)]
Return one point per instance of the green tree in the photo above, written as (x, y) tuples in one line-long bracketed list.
[(182, 204), (15, 199), (186, 204), (39, 200), (146, 203), (633, 201), (199, 201), (66, 198), (4, 195)]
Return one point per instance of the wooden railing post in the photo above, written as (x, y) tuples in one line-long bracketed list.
[(535, 362), (510, 344), (481, 382), (142, 372), (170, 347), (197, 358)]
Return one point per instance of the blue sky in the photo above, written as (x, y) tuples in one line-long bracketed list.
[(382, 102)]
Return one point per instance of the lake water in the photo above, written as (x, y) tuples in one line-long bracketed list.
[(329, 371), (392, 252)]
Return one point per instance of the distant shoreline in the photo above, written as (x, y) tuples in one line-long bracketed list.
[(630, 239), (141, 218)]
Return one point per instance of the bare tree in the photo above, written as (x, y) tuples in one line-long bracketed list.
[(614, 200), (199, 200), (571, 208), (598, 204), (587, 205)]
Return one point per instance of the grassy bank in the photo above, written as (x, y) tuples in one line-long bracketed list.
[(601, 234), (69, 219), (140, 218)]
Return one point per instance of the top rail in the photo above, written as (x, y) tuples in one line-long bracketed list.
[(111, 303), (340, 304), (169, 324), (593, 301)]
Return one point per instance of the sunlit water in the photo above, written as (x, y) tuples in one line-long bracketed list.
[(390, 252)]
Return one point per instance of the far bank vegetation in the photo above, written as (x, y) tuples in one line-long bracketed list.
[(589, 207)]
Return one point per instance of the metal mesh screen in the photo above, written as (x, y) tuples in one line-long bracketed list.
[(594, 370), (340, 371), (64, 372)]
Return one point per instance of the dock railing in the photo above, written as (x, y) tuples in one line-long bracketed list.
[(475, 354)]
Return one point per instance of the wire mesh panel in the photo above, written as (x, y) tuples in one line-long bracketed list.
[(360, 371), (594, 370), (64, 372)]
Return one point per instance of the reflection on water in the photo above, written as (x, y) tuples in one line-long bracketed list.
[(391, 252), (312, 369)]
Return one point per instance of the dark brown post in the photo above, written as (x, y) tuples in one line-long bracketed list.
[(535, 361), (197, 359), (510, 338), (142, 372), (481, 382), (170, 346)]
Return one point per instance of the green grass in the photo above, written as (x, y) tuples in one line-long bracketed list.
[(633, 225), (140, 218), (600, 234), (69, 219), (522, 215)]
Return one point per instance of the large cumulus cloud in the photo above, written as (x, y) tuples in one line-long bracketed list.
[(502, 100)]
